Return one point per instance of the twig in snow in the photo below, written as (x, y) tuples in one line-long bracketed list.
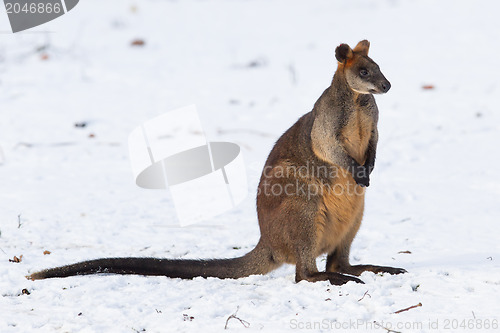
[(245, 323), (137, 331), (387, 329), (186, 317), (19, 224), (409, 308), (366, 293), (16, 259)]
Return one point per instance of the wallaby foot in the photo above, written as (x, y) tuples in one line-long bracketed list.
[(340, 279), (335, 278), (358, 269)]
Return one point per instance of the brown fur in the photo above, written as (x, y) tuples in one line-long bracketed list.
[(311, 194), (362, 48), (355, 136)]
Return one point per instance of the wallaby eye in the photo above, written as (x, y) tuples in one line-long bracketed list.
[(363, 72)]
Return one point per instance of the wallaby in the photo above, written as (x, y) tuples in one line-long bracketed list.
[(311, 193)]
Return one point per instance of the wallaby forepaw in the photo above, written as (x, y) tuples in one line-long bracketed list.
[(362, 177), (363, 182), (360, 174)]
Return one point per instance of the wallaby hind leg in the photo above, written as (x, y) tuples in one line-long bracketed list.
[(301, 238), (334, 263), (306, 269), (338, 260)]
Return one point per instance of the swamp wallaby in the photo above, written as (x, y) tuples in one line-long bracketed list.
[(311, 193)]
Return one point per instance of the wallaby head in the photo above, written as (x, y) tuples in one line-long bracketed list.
[(362, 74)]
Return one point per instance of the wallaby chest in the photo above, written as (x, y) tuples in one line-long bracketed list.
[(356, 133)]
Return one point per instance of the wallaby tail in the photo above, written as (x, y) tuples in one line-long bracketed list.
[(257, 261)]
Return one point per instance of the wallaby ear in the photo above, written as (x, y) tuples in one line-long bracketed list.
[(343, 52), (362, 47)]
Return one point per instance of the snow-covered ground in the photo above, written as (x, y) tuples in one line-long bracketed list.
[(252, 68)]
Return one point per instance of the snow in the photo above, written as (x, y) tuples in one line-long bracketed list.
[(252, 68)]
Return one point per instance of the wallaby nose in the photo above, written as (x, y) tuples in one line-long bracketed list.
[(386, 86)]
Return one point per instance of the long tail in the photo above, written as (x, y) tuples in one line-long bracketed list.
[(257, 261)]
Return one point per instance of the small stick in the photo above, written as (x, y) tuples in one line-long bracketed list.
[(245, 323), (409, 308), (19, 224), (366, 293)]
